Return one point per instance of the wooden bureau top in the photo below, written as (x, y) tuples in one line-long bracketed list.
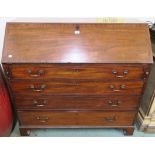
[(76, 43)]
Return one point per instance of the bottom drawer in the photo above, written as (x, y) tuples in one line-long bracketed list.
[(76, 118)]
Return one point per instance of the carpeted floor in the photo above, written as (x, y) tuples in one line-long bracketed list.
[(80, 133)]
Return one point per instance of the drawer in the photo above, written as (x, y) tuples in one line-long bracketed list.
[(77, 71), (77, 102), (76, 118), (77, 87)]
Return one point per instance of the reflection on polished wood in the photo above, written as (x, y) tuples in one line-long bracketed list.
[(76, 75), (96, 43)]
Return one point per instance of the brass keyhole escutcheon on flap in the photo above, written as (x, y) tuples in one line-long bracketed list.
[(77, 30)]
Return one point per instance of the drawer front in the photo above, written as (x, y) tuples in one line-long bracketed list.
[(75, 118), (77, 102), (75, 71), (77, 87)]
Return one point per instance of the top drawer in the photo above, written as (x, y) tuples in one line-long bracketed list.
[(75, 71)]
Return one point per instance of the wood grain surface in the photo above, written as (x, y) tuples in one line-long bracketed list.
[(75, 118), (67, 102), (77, 87), (58, 43), (76, 75), (78, 71)]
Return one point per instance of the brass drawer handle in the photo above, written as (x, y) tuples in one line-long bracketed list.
[(39, 73), (110, 119), (112, 87), (38, 88), (42, 119), (39, 103), (125, 72), (114, 103)]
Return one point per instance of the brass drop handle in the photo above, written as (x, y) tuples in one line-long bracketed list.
[(40, 104), (120, 76), (39, 73), (42, 119), (38, 89), (110, 119), (121, 87), (114, 103)]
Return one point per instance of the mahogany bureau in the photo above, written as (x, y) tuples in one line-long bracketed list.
[(76, 75)]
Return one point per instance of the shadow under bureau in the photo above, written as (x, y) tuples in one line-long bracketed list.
[(76, 75)]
